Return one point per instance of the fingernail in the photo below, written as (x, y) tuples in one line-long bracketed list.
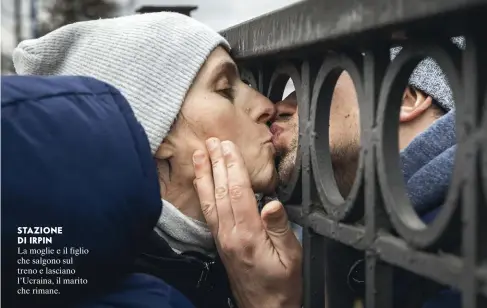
[(212, 143), (198, 157), (225, 147)]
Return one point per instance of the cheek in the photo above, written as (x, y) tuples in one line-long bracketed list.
[(224, 126), (344, 128), (344, 116), (211, 118), (227, 125), (291, 130)]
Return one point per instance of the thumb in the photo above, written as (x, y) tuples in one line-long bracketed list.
[(276, 224), (275, 219)]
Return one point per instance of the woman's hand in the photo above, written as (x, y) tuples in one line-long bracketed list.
[(261, 254)]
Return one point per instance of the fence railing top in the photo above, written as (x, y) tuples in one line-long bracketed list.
[(313, 21)]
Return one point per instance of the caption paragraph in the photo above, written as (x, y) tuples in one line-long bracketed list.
[(42, 270)]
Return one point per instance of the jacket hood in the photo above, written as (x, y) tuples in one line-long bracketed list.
[(73, 156)]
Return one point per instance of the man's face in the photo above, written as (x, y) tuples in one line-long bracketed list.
[(285, 131), (344, 133)]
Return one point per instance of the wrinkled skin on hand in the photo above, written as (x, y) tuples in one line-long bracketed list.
[(261, 254)]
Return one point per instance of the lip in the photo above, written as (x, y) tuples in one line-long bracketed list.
[(271, 143), (274, 139)]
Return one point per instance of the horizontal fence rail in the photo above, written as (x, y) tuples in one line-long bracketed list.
[(355, 246)]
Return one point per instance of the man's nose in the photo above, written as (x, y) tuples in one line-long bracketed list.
[(263, 110)]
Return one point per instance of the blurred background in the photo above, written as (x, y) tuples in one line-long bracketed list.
[(24, 19)]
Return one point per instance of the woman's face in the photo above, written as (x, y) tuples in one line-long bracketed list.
[(220, 105)]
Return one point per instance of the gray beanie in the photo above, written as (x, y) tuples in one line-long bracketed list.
[(429, 78), (151, 58)]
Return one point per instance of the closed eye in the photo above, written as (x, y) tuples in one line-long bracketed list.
[(228, 93), (284, 116)]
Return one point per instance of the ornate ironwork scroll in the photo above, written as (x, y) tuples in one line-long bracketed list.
[(312, 42)]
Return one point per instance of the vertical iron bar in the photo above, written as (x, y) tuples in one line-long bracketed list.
[(264, 77), (313, 244), (472, 208), (313, 271), (378, 275), (469, 198)]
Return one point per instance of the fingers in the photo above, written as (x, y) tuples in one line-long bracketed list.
[(224, 188), (205, 189), (226, 219), (242, 197)]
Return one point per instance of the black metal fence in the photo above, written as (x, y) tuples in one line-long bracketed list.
[(376, 221)]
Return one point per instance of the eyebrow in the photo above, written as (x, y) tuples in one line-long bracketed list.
[(225, 67)]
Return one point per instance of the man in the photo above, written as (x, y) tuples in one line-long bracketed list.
[(419, 110), (427, 112)]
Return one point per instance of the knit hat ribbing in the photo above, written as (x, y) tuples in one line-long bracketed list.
[(430, 78), (151, 58)]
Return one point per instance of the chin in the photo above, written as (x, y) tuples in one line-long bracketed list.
[(285, 177), (266, 182)]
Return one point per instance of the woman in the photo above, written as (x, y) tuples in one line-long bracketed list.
[(184, 89)]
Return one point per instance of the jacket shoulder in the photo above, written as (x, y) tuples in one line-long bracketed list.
[(74, 156), (20, 88)]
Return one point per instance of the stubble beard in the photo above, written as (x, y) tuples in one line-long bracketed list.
[(344, 160), (288, 159)]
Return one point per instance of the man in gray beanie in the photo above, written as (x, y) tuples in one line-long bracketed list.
[(427, 145), (184, 88)]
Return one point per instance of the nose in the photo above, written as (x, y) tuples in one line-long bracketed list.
[(263, 110)]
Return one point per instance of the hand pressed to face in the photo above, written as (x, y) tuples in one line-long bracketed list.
[(260, 253)]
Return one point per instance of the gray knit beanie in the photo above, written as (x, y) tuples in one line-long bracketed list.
[(151, 58), (430, 78)]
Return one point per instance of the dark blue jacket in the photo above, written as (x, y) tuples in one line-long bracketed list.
[(427, 166), (74, 156)]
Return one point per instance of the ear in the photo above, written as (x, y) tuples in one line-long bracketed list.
[(165, 150), (414, 104)]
